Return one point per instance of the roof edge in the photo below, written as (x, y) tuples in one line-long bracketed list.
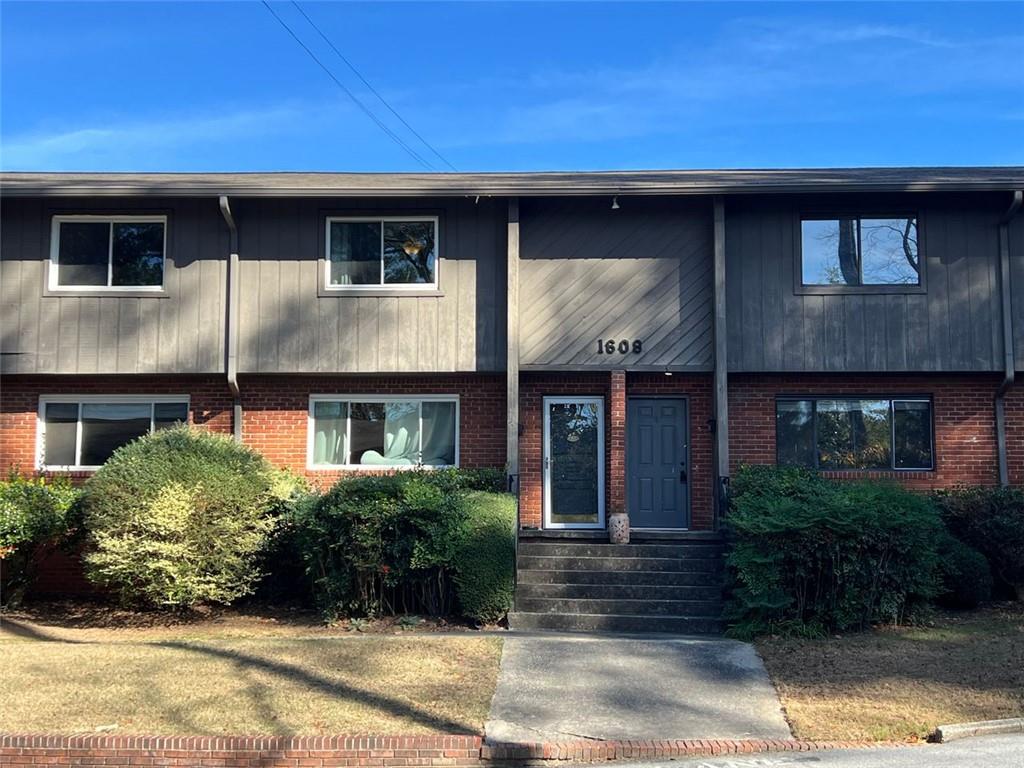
[(505, 184)]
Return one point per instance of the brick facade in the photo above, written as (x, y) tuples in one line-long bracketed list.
[(276, 419), (275, 410), (615, 387), (276, 413), (963, 413), (210, 406)]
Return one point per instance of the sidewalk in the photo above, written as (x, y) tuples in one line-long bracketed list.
[(563, 687)]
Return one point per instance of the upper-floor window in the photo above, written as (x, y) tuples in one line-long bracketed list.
[(860, 251), (382, 251), (360, 431), (96, 253), (854, 433), (81, 432)]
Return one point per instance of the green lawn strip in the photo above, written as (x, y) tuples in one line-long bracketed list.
[(902, 683), (368, 685)]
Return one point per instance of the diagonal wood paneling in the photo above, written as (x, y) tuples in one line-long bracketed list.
[(640, 272)]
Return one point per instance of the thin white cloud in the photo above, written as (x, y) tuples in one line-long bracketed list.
[(98, 145), (759, 72)]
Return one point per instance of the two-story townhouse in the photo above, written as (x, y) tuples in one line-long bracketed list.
[(616, 341)]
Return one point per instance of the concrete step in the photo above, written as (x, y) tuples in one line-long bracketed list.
[(591, 549), (576, 563), (709, 578), (602, 591), (619, 607), (589, 622)]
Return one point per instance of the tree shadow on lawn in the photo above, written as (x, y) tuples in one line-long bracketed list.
[(337, 689)]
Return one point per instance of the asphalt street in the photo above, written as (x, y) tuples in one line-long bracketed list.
[(982, 752)]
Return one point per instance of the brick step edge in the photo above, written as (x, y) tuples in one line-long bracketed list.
[(380, 751)]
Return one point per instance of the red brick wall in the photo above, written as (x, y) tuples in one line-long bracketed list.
[(964, 418), (210, 405), (1015, 433), (613, 388), (617, 443), (275, 410), (276, 413), (274, 422)]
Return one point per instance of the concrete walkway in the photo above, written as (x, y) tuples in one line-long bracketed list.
[(556, 687)]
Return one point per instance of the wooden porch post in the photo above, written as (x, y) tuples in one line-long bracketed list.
[(512, 349), (721, 393)]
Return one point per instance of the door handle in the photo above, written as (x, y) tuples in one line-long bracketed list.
[(682, 475)]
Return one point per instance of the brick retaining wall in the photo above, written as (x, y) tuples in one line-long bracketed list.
[(373, 751)]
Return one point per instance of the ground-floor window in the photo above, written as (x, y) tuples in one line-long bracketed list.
[(82, 432), (845, 433), (358, 431)]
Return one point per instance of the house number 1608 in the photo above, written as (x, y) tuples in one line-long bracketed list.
[(610, 346)]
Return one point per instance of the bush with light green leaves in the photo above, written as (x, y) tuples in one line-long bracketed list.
[(180, 517)]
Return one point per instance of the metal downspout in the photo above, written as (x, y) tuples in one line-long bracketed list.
[(1009, 362), (231, 320)]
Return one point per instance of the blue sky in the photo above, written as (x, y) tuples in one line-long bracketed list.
[(516, 86)]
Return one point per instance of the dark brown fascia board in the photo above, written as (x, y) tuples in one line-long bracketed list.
[(723, 182)]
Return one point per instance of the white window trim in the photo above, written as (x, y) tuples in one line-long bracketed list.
[(53, 283), (376, 287), (357, 398), (546, 461), (86, 399)]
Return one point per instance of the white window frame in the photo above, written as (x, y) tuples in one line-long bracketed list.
[(85, 400), (53, 283), (376, 287), (546, 460), (311, 429)]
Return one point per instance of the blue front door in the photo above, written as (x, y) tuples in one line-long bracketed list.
[(657, 466)]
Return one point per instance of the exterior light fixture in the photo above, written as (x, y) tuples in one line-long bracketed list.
[(411, 247), (615, 203)]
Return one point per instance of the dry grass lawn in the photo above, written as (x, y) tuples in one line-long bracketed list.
[(241, 677), (901, 683)]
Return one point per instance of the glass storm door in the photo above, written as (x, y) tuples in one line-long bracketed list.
[(573, 462)]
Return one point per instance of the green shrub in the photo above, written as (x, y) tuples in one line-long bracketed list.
[(409, 542), (180, 517), (810, 556), (485, 557), (34, 513), (966, 576), (992, 521), (376, 544)]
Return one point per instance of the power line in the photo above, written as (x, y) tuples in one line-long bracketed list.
[(373, 90), (394, 137)]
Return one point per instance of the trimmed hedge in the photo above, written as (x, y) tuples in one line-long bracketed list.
[(34, 513), (811, 556), (180, 517), (966, 576), (991, 520), (423, 541), (485, 557)]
